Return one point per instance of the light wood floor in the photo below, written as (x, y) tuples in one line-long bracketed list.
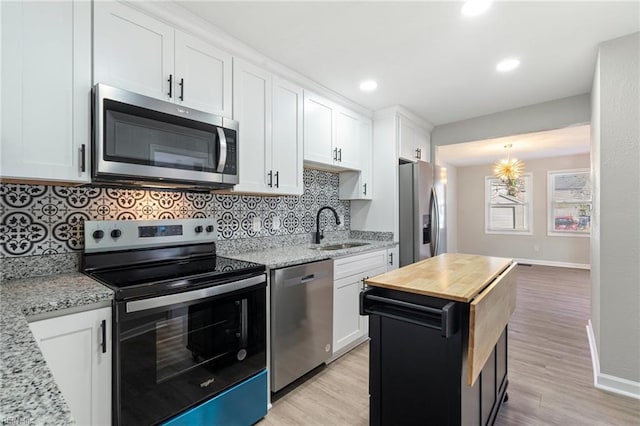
[(550, 375)]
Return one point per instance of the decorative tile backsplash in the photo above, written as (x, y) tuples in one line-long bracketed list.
[(41, 220)]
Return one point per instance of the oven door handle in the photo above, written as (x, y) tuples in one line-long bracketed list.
[(188, 296)]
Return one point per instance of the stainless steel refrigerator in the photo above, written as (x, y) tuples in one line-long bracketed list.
[(422, 211)]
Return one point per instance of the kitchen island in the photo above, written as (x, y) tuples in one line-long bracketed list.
[(438, 351)]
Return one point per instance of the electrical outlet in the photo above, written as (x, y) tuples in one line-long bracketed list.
[(536, 248), (255, 225), (341, 217), (275, 223)]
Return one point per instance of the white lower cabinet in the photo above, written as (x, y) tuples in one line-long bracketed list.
[(77, 349), (349, 273)]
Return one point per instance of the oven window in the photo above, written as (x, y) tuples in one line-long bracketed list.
[(141, 136), (171, 360), (200, 336)]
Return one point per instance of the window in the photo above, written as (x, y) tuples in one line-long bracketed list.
[(508, 205), (569, 203)]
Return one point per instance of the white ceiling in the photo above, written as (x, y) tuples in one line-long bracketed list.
[(425, 55), (553, 143)]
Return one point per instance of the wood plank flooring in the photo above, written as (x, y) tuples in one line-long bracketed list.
[(550, 375)]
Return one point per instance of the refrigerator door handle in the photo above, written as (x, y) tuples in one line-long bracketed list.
[(436, 222)]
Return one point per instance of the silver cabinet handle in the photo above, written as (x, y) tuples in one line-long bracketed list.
[(340, 155), (365, 189), (390, 258), (270, 175), (222, 161), (277, 179), (335, 154)]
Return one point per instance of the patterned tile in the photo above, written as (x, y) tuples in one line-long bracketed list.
[(39, 219)]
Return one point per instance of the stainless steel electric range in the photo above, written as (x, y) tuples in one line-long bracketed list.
[(189, 326)]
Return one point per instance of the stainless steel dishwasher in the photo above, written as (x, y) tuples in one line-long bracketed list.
[(301, 320)]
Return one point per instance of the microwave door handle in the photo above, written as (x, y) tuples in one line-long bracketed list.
[(222, 161)]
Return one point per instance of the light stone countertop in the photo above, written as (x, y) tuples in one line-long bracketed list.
[(29, 394), (280, 257)]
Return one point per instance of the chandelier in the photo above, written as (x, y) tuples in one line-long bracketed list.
[(508, 169)]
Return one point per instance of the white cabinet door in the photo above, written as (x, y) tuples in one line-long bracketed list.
[(203, 75), (318, 130), (252, 109), (365, 147), (348, 325), (414, 141), (358, 185), (393, 258), (347, 139), (133, 51), (286, 155), (46, 90), (72, 347)]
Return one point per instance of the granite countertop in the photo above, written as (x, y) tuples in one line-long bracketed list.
[(29, 394), (280, 257), (452, 276)]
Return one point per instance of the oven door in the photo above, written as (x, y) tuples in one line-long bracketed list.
[(141, 138), (178, 350)]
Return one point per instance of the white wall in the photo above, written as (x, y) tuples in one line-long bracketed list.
[(550, 115), (616, 246), (571, 251), (451, 208)]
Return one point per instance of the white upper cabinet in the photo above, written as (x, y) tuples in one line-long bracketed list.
[(358, 185), (46, 90), (133, 51), (415, 142), (287, 141), (136, 52), (269, 111), (331, 134), (203, 76), (252, 109), (318, 129), (347, 139)]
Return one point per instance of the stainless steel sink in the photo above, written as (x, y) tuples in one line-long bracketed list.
[(340, 246)]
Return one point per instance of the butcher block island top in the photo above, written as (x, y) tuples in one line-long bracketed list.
[(452, 276)]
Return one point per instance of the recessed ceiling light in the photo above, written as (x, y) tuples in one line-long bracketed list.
[(368, 86), (475, 7), (508, 65)]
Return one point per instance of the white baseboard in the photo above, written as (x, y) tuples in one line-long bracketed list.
[(554, 263), (607, 382)]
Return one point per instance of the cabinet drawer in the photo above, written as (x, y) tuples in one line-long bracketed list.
[(359, 263)]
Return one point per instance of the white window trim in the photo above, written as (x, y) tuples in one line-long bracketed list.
[(529, 189), (551, 232)]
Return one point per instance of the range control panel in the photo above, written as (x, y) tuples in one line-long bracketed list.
[(110, 235)]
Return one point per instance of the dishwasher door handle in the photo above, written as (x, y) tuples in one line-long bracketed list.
[(307, 278), (302, 279)]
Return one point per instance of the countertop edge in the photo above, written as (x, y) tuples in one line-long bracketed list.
[(441, 294)]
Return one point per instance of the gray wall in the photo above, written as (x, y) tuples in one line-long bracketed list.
[(616, 248), (550, 115), (471, 212)]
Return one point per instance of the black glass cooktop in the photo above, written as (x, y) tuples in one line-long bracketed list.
[(169, 275)]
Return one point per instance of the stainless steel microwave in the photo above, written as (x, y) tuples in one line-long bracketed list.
[(138, 140)]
